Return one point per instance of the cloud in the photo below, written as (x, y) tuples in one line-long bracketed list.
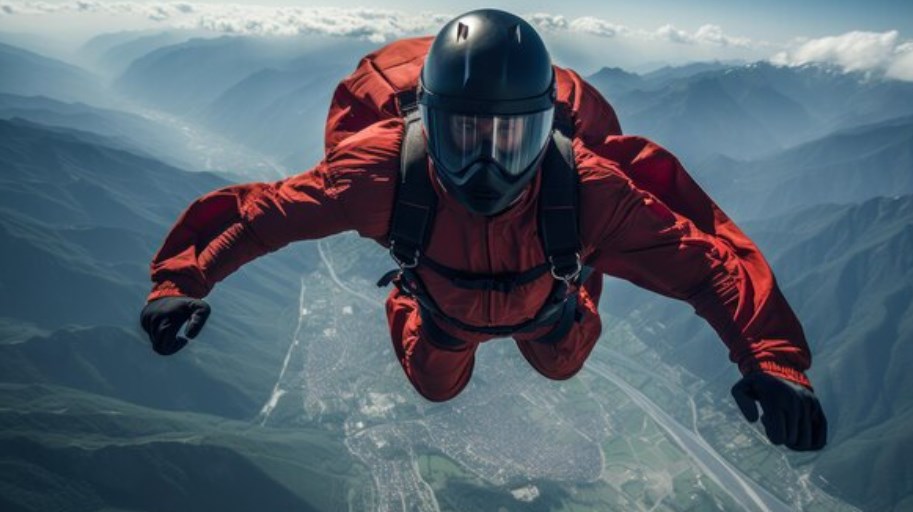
[(599, 27), (879, 52), (713, 34), (547, 22), (706, 34), (709, 35), (674, 35), (376, 25), (587, 24), (157, 11), (901, 67)]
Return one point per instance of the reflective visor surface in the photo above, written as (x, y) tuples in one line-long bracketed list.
[(514, 141)]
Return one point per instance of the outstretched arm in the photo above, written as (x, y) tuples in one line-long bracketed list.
[(732, 288), (351, 189), (226, 228), (725, 279), (220, 232), (723, 276)]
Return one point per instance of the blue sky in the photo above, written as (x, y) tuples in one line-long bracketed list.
[(585, 35)]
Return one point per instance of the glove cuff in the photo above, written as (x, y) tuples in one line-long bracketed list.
[(779, 370), (165, 289)]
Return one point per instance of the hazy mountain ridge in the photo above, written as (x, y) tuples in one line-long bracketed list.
[(279, 112), (666, 74), (268, 94), (848, 165), (112, 54), (700, 114), (64, 448), (186, 77), (136, 134), (91, 217), (856, 306), (80, 221), (614, 81), (115, 362), (90, 175), (26, 73), (183, 78)]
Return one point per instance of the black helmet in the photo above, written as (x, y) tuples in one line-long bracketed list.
[(487, 96)]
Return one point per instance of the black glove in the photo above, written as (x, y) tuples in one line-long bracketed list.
[(163, 318), (792, 413)]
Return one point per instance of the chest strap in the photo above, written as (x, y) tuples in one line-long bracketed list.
[(504, 283)]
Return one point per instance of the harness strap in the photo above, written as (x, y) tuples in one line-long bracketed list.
[(505, 282), (564, 119), (407, 100), (416, 202), (558, 209), (411, 284), (568, 315)]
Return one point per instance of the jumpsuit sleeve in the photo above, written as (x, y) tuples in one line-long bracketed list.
[(352, 188), (723, 275), (228, 227)]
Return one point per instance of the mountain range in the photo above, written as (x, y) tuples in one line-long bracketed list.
[(27, 73), (80, 219), (111, 54), (851, 164), (137, 134), (749, 111), (261, 93)]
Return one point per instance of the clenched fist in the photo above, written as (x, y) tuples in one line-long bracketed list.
[(792, 413), (162, 320)]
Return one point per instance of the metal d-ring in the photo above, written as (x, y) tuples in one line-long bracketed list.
[(570, 277), (402, 264)]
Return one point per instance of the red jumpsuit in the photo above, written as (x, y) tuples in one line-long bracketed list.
[(625, 231)]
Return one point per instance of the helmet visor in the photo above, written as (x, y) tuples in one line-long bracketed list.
[(513, 141)]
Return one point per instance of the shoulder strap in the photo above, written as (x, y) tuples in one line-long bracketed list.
[(564, 120), (558, 209), (416, 202)]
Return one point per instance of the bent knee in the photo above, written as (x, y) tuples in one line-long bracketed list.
[(557, 371), (438, 374), (433, 395), (436, 390)]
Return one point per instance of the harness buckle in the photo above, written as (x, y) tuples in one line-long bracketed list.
[(403, 264), (571, 276)]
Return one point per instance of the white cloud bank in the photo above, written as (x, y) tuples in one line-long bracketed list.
[(882, 52), (706, 34), (377, 25)]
